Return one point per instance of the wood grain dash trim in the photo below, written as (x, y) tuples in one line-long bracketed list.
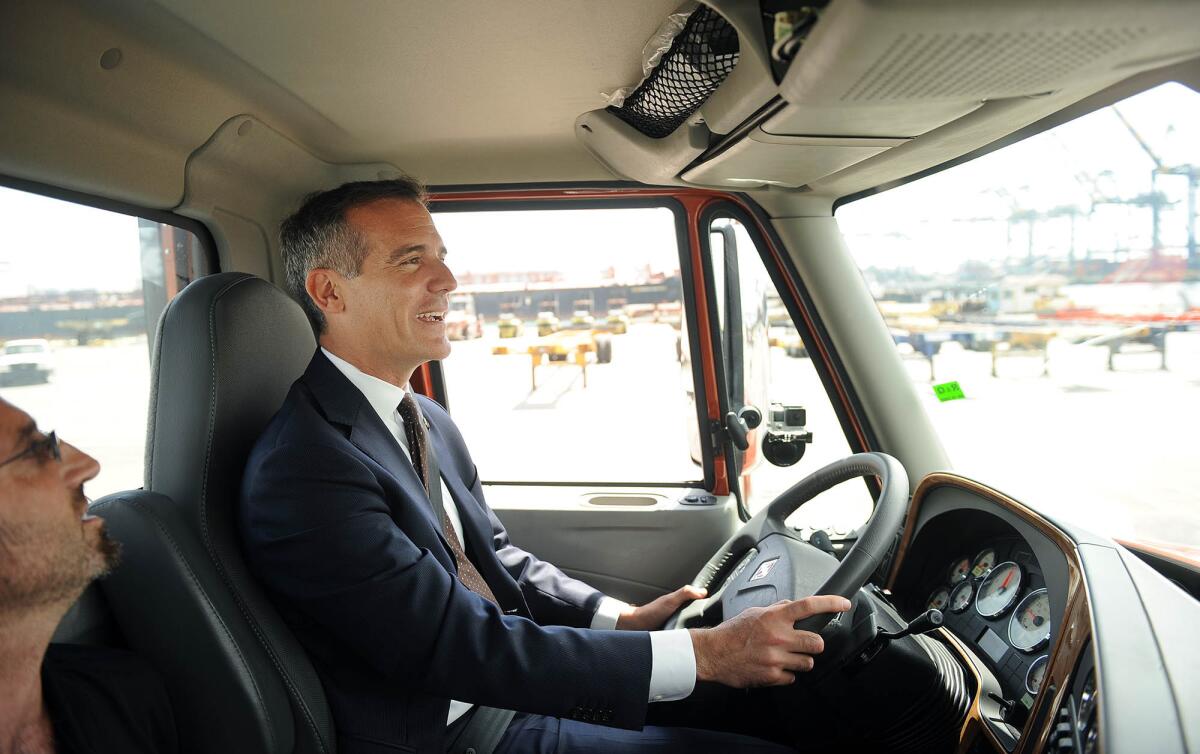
[(1077, 622)]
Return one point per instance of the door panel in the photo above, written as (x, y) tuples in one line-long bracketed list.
[(631, 552)]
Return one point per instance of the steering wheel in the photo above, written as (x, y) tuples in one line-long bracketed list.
[(766, 560)]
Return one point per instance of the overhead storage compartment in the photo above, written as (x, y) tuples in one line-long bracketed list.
[(872, 75)]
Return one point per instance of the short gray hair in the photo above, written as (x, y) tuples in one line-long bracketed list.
[(317, 235)]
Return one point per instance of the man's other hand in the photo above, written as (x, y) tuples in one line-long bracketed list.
[(760, 646), (652, 616)]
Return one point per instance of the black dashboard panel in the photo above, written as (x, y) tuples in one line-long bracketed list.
[(989, 636)]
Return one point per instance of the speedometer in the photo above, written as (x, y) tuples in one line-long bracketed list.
[(1029, 626), (999, 590)]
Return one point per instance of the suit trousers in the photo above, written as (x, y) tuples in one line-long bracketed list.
[(538, 734), (714, 719)]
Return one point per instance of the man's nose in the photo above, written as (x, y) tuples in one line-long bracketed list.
[(80, 466), (444, 280)]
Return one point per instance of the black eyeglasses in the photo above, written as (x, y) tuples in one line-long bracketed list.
[(45, 448)]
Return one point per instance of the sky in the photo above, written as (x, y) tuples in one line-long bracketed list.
[(932, 224), (47, 244)]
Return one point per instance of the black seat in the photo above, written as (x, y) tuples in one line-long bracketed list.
[(228, 348)]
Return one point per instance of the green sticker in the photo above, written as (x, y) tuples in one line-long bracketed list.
[(948, 391)]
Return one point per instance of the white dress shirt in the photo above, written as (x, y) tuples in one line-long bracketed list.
[(672, 658)]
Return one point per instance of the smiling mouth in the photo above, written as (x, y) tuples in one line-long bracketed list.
[(432, 316)]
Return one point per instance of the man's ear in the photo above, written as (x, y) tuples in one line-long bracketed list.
[(324, 288)]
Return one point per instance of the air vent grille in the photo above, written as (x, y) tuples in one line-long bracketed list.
[(982, 64), (700, 58)]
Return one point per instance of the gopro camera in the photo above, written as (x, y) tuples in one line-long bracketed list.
[(786, 437)]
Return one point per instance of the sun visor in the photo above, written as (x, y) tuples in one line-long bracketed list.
[(903, 68)]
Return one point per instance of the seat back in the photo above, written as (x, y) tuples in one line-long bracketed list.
[(89, 621), (228, 348)]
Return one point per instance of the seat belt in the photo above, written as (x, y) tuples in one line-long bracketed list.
[(482, 732)]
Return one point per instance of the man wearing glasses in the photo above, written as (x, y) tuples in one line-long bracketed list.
[(61, 698)]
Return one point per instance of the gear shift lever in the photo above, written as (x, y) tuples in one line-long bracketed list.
[(923, 623)]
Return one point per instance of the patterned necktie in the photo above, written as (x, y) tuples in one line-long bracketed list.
[(418, 448)]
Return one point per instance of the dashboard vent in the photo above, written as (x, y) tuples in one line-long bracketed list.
[(700, 59), (1075, 727)]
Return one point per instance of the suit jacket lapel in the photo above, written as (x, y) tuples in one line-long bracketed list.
[(344, 404)]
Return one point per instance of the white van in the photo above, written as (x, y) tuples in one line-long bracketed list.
[(26, 361)]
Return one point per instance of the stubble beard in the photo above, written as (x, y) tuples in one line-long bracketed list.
[(40, 568)]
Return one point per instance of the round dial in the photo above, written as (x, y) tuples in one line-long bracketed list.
[(959, 570), (983, 563), (938, 599), (1036, 674), (960, 598), (1029, 626), (999, 590)]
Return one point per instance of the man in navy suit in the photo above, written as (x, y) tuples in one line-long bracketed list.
[(363, 514)]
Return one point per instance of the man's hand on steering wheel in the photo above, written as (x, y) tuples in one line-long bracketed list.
[(651, 616), (760, 646)]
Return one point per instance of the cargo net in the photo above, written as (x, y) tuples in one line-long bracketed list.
[(700, 58)]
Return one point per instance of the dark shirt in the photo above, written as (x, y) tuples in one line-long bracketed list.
[(106, 700)]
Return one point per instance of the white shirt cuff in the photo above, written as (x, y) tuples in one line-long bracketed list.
[(673, 665), (607, 614)]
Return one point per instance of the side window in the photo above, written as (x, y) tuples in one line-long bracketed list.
[(81, 290), (766, 365), (568, 362)]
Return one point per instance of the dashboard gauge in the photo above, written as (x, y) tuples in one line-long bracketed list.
[(999, 589), (959, 570), (960, 598), (983, 563), (1036, 674), (938, 599), (1029, 626)]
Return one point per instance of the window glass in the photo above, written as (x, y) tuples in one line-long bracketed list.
[(1057, 282), (78, 287), (767, 365), (567, 365)]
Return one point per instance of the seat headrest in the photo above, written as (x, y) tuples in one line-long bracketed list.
[(228, 348)]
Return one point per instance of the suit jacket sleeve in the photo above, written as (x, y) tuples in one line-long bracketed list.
[(320, 535)]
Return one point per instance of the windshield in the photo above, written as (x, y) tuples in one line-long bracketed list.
[(25, 349), (1046, 300)]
